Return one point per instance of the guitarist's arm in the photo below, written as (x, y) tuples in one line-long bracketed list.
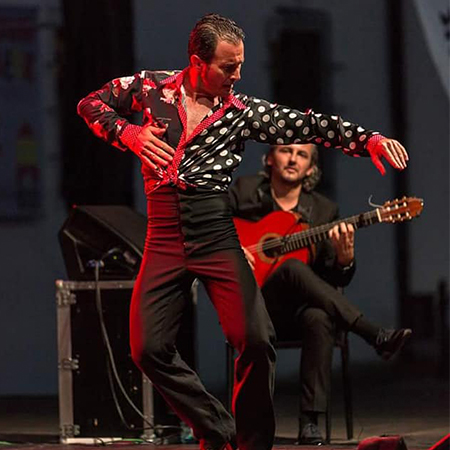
[(250, 258), (245, 197)]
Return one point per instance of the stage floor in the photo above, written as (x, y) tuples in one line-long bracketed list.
[(404, 399)]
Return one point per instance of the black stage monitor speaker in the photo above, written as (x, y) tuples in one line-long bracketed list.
[(113, 235)]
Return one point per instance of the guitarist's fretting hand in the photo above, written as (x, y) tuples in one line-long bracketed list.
[(343, 239)]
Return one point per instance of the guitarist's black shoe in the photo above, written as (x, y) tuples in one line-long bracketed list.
[(310, 435), (389, 342)]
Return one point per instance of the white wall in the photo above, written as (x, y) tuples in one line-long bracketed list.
[(30, 259)]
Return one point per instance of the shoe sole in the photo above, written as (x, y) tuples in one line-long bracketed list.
[(315, 442)]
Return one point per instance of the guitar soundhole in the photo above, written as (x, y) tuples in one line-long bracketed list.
[(270, 248)]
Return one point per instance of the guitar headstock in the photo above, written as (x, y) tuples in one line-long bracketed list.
[(399, 210)]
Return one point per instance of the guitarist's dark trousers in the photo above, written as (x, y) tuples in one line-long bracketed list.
[(191, 235), (301, 304)]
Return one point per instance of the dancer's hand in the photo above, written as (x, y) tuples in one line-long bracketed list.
[(390, 149), (151, 149)]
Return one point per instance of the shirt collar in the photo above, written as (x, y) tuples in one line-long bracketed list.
[(177, 79)]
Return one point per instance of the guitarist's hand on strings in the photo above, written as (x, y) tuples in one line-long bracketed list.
[(343, 239), (250, 258)]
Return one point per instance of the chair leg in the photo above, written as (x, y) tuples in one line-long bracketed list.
[(328, 419), (230, 374), (348, 405)]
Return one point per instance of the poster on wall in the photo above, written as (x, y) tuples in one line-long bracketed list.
[(20, 124)]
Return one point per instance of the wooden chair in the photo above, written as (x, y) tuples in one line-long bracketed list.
[(341, 342)]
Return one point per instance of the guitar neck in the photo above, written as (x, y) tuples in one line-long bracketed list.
[(318, 234)]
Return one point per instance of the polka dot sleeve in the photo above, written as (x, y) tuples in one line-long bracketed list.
[(274, 124)]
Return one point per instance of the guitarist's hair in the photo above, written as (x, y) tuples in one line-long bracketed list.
[(310, 182)]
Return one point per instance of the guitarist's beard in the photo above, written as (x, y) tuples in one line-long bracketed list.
[(291, 183)]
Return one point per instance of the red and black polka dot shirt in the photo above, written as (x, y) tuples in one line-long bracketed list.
[(214, 150)]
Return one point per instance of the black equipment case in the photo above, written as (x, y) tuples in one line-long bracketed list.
[(87, 407)]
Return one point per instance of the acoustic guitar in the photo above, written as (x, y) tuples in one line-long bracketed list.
[(282, 235)]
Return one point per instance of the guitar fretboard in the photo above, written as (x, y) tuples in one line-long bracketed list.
[(320, 233)]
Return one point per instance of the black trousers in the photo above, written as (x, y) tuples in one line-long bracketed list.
[(301, 304), (192, 236)]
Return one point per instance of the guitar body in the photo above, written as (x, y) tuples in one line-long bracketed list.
[(260, 237), (280, 235)]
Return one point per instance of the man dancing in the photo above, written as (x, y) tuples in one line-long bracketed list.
[(191, 139)]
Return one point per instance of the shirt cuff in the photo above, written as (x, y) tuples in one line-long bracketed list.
[(373, 141), (129, 135)]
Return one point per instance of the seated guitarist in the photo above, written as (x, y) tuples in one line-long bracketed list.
[(303, 297)]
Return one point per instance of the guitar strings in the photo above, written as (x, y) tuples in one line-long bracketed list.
[(277, 242), (393, 207)]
